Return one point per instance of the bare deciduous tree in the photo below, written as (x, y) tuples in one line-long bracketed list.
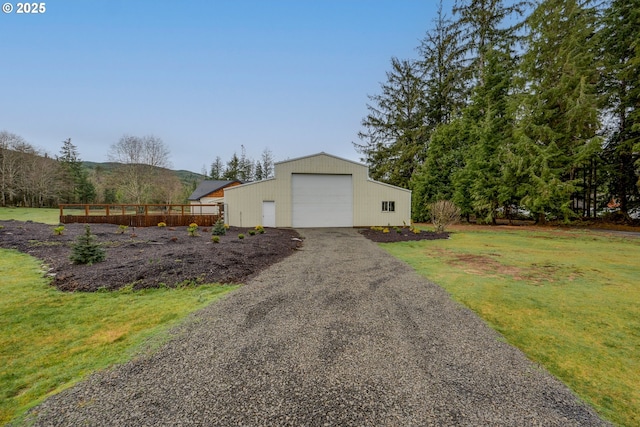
[(27, 177), (134, 150), (443, 214), (41, 181), (9, 165), (141, 159), (170, 190), (267, 164)]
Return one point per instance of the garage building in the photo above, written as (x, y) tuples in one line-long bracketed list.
[(320, 190)]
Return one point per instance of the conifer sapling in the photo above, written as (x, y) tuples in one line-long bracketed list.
[(86, 250)]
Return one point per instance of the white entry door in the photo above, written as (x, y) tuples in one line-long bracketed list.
[(268, 214)]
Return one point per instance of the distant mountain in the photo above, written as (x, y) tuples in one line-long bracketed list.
[(186, 177)]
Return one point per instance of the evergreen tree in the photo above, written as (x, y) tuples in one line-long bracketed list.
[(462, 159), (558, 108), (433, 181), (395, 136), (480, 187), (441, 67), (218, 228), (257, 171), (217, 169), (245, 166), (86, 250), (233, 168), (76, 186), (619, 39), (110, 195), (484, 25)]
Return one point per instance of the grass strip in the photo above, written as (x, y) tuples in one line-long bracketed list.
[(43, 215), (569, 300), (50, 340)]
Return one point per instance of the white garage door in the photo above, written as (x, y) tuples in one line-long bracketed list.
[(322, 200)]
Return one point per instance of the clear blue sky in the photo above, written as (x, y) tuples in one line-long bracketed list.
[(204, 76)]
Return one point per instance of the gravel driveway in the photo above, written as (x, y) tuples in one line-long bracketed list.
[(339, 334)]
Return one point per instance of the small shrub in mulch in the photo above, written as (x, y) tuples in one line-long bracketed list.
[(218, 228), (86, 250), (192, 229)]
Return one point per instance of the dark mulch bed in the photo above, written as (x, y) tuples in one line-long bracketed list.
[(149, 257), (403, 236)]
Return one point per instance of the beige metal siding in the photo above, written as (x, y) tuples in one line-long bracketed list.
[(368, 198), (323, 164), (244, 203)]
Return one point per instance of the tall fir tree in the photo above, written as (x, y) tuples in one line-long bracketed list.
[(217, 168), (480, 186), (232, 170), (484, 25), (245, 166), (442, 67), (558, 126), (433, 180), (76, 186), (257, 171), (461, 162), (619, 40), (394, 138)]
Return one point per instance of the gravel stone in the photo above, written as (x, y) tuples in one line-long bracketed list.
[(338, 334)]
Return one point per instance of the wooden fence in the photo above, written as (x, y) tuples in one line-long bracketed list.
[(205, 215)]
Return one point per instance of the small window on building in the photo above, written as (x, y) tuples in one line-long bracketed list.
[(388, 206)]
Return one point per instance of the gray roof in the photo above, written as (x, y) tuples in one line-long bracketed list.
[(209, 186)]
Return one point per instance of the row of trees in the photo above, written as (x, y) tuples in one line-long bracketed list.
[(30, 177), (26, 174), (243, 167), (140, 173), (514, 106)]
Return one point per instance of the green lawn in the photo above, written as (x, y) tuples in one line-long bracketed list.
[(569, 300), (44, 215), (49, 339)]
